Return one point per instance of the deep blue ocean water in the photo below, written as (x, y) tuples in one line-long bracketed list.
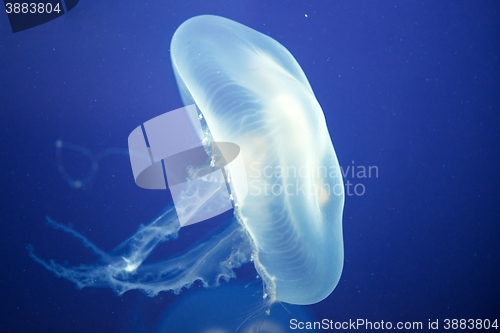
[(411, 88)]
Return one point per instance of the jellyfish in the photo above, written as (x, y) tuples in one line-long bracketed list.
[(252, 92), (94, 159)]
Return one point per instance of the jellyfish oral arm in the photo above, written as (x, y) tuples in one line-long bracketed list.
[(124, 269)]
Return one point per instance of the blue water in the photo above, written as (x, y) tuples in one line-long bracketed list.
[(408, 88)]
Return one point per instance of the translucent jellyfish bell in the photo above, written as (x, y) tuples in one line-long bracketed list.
[(253, 92)]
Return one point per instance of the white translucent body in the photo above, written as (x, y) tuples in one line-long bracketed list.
[(252, 92)]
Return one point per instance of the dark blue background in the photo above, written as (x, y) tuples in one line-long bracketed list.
[(410, 87)]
